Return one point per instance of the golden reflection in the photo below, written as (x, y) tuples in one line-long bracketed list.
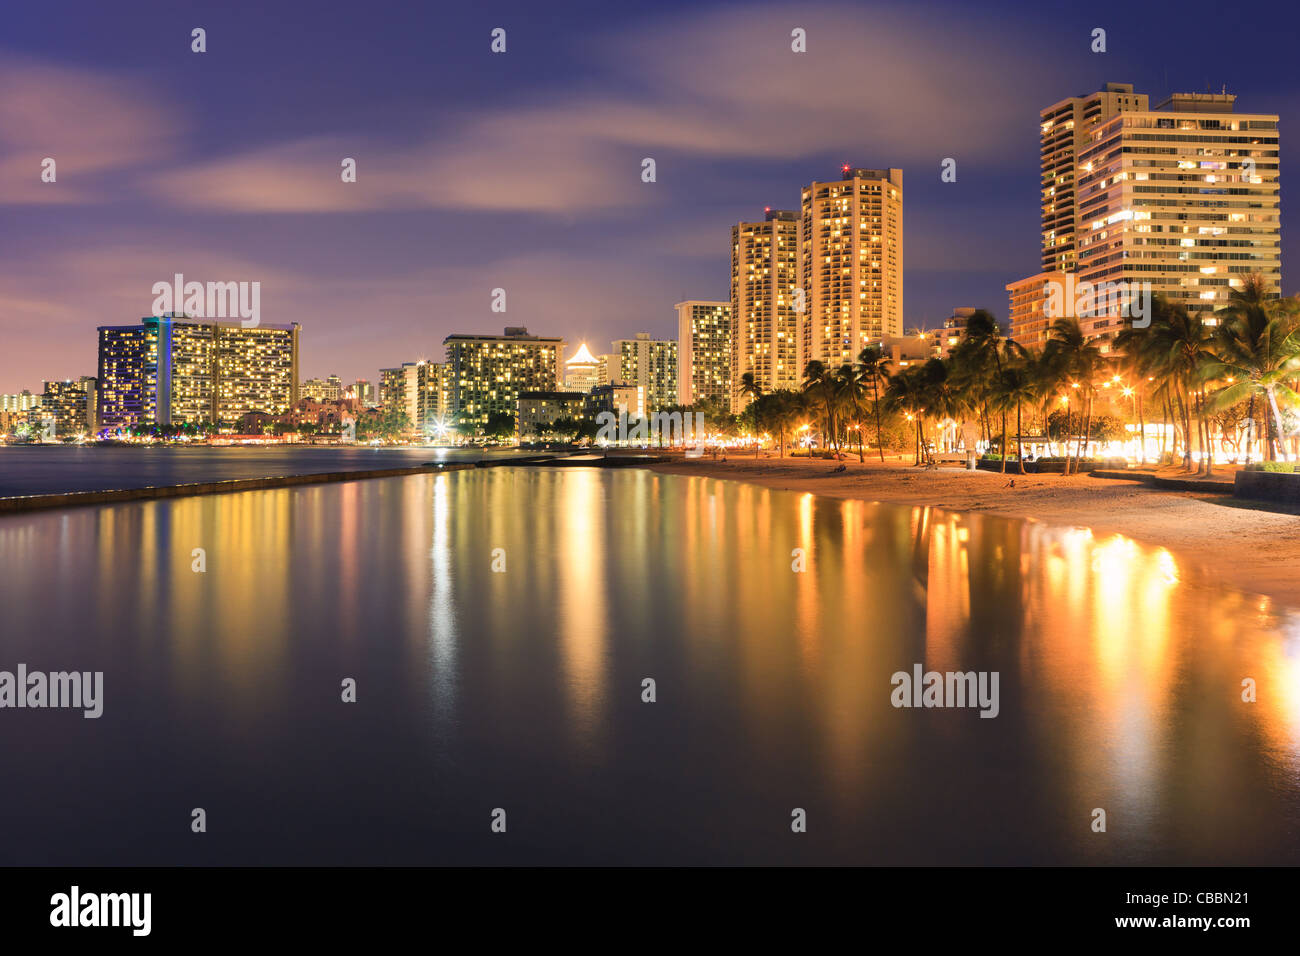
[(1121, 681), (442, 636), (583, 619)]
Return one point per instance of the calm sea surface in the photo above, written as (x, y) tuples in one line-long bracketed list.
[(54, 469), (1120, 683)]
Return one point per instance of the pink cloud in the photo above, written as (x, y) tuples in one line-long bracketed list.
[(98, 129)]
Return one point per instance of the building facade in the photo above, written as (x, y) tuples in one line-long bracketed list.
[(432, 400), (1182, 199), (1027, 307), (128, 386), (70, 406), (703, 352), (619, 400), (487, 373), (650, 365), (19, 402), (1065, 129), (765, 309), (850, 264), (582, 372), (538, 411), (392, 388), (957, 321), (174, 370), (363, 393), (322, 389)]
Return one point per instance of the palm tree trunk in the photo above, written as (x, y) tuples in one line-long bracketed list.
[(1087, 431), (1164, 428), (1142, 432), (1277, 421), (1207, 447), (1020, 448), (1187, 432), (879, 442), (1250, 430), (1004, 441)]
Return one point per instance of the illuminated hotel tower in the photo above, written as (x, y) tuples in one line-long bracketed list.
[(1183, 197), (764, 316), (174, 370), (703, 352), (650, 365), (1064, 129), (851, 264), (486, 373), (582, 371)]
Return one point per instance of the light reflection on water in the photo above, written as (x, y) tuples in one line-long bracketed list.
[(1120, 683)]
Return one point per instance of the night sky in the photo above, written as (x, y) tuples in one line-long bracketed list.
[(522, 170)]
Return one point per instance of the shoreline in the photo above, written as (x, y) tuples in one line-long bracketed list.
[(1217, 538), (21, 504)]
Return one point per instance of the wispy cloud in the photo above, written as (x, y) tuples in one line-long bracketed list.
[(894, 88), (99, 129)]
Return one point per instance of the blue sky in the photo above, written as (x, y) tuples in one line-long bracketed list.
[(521, 170)]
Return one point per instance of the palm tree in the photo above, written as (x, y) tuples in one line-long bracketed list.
[(1258, 349), (1076, 355), (1181, 356), (820, 385), (851, 390), (873, 368), (906, 393), (749, 386), (983, 347), (1015, 387), (785, 409), (1046, 379), (943, 397), (1132, 345)]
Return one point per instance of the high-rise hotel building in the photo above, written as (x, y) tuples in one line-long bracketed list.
[(703, 352), (432, 399), (651, 366), (399, 389), (421, 391), (175, 370), (765, 317), (486, 373), (850, 264), (1064, 129), (1183, 197), (70, 406)]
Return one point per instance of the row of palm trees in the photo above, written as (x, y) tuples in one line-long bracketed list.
[(1183, 367), (1249, 354)]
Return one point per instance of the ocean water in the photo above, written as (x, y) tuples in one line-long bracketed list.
[(500, 625)]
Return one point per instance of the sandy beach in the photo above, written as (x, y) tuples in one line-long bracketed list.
[(1217, 538)]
